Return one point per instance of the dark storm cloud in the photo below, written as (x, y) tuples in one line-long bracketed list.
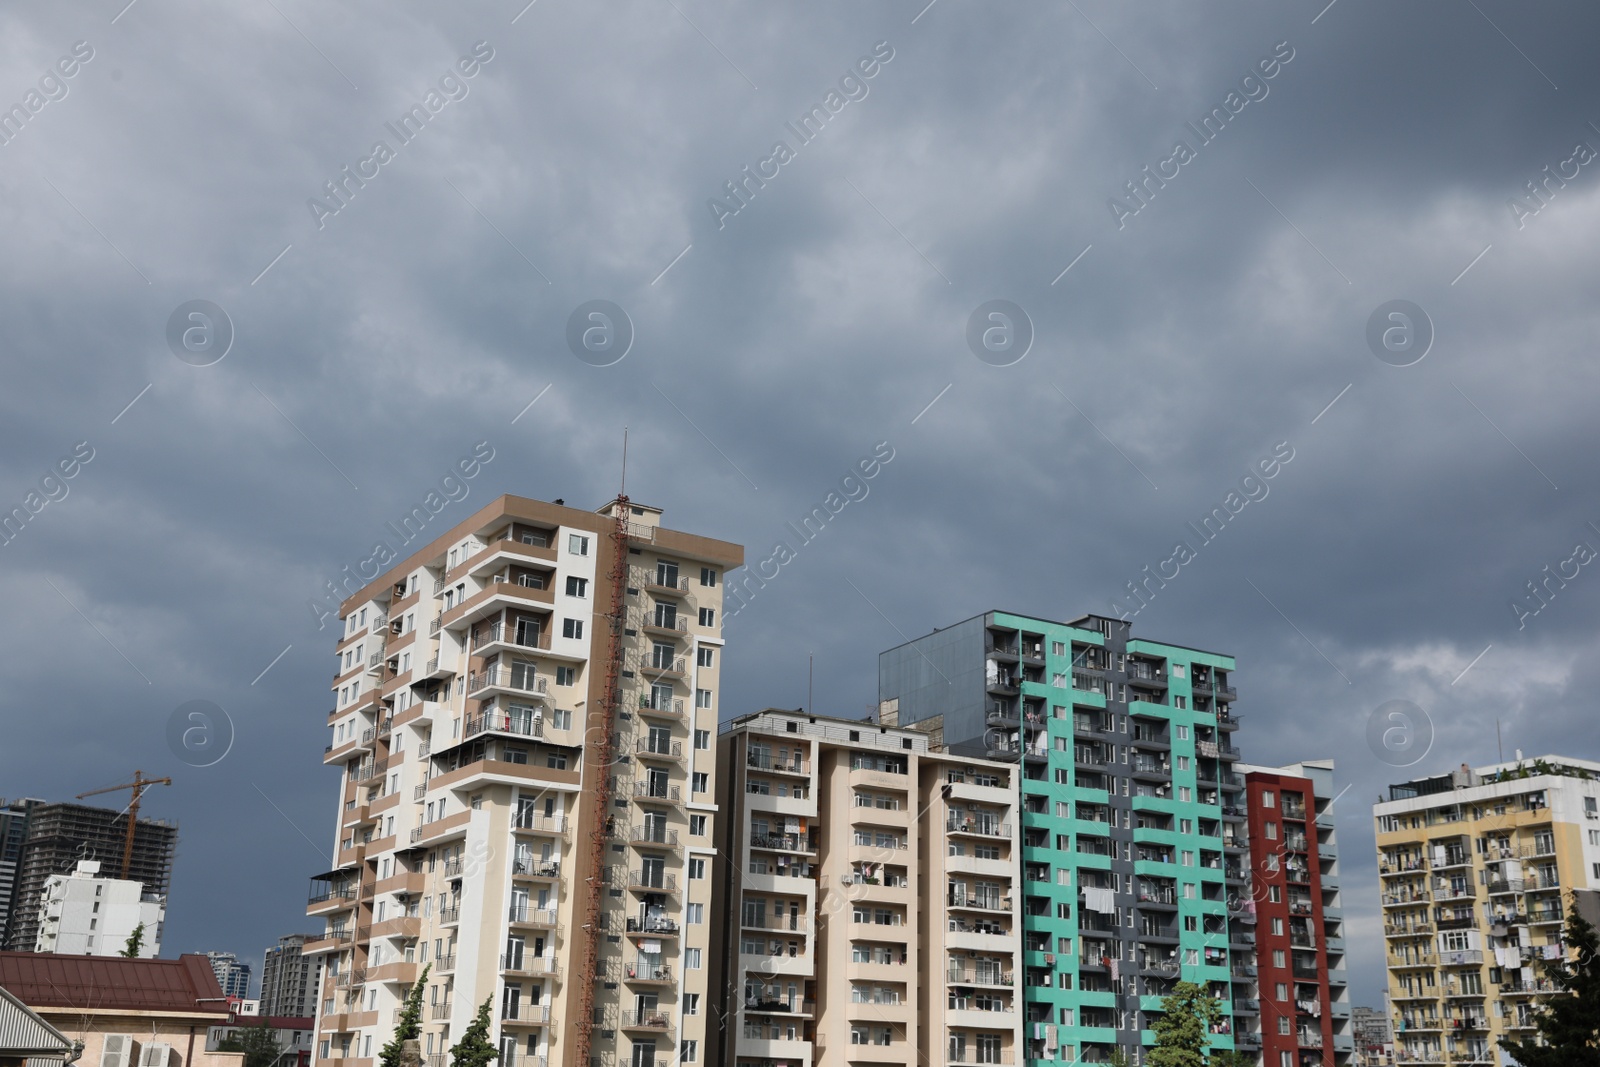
[(824, 318)]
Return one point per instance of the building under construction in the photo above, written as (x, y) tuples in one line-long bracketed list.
[(56, 836)]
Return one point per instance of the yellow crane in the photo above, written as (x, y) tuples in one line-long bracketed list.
[(139, 784)]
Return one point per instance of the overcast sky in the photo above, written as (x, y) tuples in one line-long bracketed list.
[(379, 335)]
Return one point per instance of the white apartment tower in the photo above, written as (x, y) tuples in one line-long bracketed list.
[(82, 913), (523, 718)]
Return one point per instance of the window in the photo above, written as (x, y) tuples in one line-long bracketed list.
[(708, 577), (694, 914), (705, 657), (561, 719), (1183, 733), (577, 545), (557, 761), (702, 739), (688, 1051), (1277, 957), (1271, 829), (1180, 702), (691, 1003), (566, 675), (697, 869), (577, 586), (1269, 798), (1184, 793), (708, 616), (697, 826), (572, 628), (700, 782), (702, 698), (691, 959), (1283, 990)]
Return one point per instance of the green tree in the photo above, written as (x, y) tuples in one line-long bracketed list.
[(1118, 1057), (1227, 1057), (475, 1049), (258, 1043), (135, 944), (1184, 1027), (1568, 1023), (408, 1025)]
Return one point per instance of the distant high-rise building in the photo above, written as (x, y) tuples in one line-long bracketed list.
[(1477, 868), (58, 836), (1374, 1040), (232, 976), (289, 978), (13, 831), (84, 914)]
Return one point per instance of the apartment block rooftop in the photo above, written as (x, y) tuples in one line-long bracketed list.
[(1466, 777)]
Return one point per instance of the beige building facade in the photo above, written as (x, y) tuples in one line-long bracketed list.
[(523, 722), (1477, 870), (868, 882)]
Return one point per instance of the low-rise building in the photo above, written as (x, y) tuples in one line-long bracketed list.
[(126, 1012)]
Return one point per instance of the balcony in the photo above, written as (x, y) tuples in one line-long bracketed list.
[(498, 721), (782, 843), (653, 1021), (663, 625), (652, 748), (521, 964), (661, 708), (440, 1011), (649, 793), (543, 825), (534, 869), (641, 881), (539, 918), (664, 666), (646, 971), (527, 1015), (501, 678), (652, 927), (661, 583), (649, 836), (763, 761), (957, 824), (512, 637)]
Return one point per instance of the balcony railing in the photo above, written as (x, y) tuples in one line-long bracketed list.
[(502, 634), (762, 761), (664, 793), (983, 827), (653, 881), (647, 1020), (503, 677), (649, 746), (652, 835)]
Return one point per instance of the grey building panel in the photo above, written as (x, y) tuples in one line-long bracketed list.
[(940, 674)]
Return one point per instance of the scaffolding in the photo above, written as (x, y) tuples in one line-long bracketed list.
[(610, 705)]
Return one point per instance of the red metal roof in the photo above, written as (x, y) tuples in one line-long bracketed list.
[(111, 983)]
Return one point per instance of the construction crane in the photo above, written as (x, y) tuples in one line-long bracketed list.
[(139, 784)]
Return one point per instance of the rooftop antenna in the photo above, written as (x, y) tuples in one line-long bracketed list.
[(1497, 742), (623, 492), (811, 664)]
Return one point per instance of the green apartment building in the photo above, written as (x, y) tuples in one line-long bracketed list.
[(1134, 868)]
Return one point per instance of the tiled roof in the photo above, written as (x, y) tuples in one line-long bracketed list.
[(112, 983)]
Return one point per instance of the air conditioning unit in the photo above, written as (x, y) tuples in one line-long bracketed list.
[(117, 1050), (156, 1055)]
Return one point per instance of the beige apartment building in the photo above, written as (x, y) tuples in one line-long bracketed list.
[(868, 892), (1478, 868), (523, 719)]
